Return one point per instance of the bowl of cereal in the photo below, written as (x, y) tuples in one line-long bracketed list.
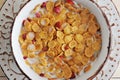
[(60, 40)]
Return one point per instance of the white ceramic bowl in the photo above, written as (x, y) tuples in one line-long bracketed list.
[(24, 13)]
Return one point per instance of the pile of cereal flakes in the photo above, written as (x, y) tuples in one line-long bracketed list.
[(60, 39)]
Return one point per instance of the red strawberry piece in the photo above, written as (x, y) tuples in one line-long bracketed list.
[(29, 19), (72, 76), (43, 5), (25, 57), (66, 47), (23, 23), (58, 25), (42, 75), (24, 36), (37, 15), (54, 37), (45, 48), (33, 41), (70, 2), (57, 9), (61, 57)]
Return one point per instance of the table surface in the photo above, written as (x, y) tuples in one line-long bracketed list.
[(116, 75)]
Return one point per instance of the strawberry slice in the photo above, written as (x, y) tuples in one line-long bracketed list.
[(42, 75), (72, 76), (29, 19), (45, 48), (23, 23), (43, 5), (66, 47), (70, 2), (33, 41), (26, 21), (24, 36), (25, 57), (37, 15), (57, 9), (58, 25), (61, 57)]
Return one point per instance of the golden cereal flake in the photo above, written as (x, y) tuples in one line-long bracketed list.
[(58, 2), (61, 41), (89, 41), (75, 68), (72, 44), (47, 75), (77, 59), (87, 68), (89, 52), (78, 38), (58, 60), (71, 8), (31, 54), (84, 19), (68, 38), (87, 35), (92, 58), (51, 54), (74, 29), (44, 62), (84, 60), (24, 52), (36, 27), (67, 29), (51, 68), (71, 20), (51, 44), (42, 55), (82, 28), (43, 35), (58, 48), (27, 26), (37, 36), (24, 45), (61, 17), (39, 46), (71, 15), (36, 8), (45, 42), (96, 45), (76, 23), (70, 62), (92, 29), (36, 68), (21, 40), (60, 75), (79, 47), (67, 71), (68, 52), (60, 34), (49, 6)]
